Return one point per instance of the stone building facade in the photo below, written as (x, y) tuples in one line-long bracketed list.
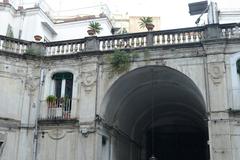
[(178, 98)]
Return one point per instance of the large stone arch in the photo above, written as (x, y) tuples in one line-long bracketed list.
[(154, 97)]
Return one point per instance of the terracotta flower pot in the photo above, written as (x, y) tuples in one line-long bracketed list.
[(91, 32), (149, 27), (37, 38)]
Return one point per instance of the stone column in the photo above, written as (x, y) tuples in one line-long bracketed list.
[(219, 127)]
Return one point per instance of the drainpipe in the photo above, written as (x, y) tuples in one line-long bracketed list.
[(41, 81), (96, 103)]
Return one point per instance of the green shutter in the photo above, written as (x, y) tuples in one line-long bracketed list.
[(62, 75), (238, 66)]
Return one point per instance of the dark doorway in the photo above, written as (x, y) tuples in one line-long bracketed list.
[(177, 143)]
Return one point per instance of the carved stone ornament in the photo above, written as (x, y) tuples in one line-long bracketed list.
[(88, 80), (216, 73), (31, 84), (56, 134)]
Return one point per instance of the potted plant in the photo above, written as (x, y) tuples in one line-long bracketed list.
[(94, 27), (146, 22), (51, 101)]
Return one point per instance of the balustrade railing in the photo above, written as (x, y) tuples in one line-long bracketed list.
[(65, 47), (178, 36), (230, 30), (133, 40), (13, 45)]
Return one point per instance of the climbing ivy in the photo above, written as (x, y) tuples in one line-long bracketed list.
[(120, 61)]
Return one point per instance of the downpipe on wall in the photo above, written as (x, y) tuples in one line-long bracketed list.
[(35, 141)]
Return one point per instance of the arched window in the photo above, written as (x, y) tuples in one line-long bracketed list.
[(63, 84)]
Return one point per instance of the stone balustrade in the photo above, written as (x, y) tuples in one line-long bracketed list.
[(133, 40), (13, 45)]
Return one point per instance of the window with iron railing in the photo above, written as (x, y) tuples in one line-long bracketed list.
[(60, 107)]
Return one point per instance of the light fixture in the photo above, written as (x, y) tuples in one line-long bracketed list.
[(203, 7), (152, 117)]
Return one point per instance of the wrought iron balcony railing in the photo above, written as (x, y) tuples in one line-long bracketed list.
[(61, 109), (133, 40)]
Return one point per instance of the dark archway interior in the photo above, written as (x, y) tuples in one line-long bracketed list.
[(162, 110)]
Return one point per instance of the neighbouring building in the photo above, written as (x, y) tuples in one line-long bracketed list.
[(130, 24), (24, 23)]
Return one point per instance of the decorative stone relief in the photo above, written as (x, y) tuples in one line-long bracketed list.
[(3, 139), (31, 84), (56, 134), (216, 72), (88, 80)]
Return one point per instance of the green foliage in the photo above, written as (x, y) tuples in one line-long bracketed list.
[(95, 26), (51, 99), (144, 21), (120, 61)]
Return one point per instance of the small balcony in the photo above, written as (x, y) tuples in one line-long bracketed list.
[(58, 110)]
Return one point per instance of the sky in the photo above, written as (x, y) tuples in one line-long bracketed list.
[(173, 13)]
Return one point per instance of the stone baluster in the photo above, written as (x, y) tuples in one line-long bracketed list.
[(189, 37), (103, 44), (62, 49), (132, 41), (71, 48), (184, 37), (179, 37), (168, 39), (158, 39), (67, 48), (142, 41), (173, 38), (200, 35), (58, 49), (76, 47), (137, 42), (194, 36), (108, 44)]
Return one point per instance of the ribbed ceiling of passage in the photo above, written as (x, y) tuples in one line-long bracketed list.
[(165, 94)]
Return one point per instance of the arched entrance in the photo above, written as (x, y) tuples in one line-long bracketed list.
[(161, 111)]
